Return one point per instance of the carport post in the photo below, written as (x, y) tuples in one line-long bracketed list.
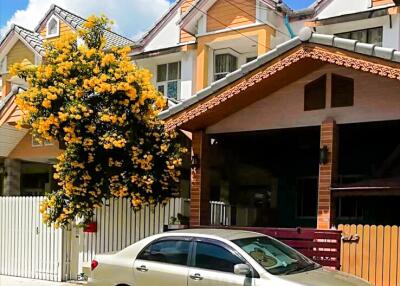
[(327, 173), (199, 191)]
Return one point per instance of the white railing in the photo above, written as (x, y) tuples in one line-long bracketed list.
[(220, 213)]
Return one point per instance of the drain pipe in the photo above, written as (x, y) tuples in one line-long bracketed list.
[(288, 27)]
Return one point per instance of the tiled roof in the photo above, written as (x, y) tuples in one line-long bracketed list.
[(29, 37), (305, 35), (76, 22)]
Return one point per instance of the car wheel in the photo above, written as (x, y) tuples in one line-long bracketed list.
[(122, 285)]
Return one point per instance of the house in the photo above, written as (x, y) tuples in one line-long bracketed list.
[(305, 135), (26, 164)]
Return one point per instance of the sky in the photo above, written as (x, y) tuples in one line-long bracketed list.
[(132, 17)]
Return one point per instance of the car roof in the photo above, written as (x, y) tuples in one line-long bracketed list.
[(229, 234)]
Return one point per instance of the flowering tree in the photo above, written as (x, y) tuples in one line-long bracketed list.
[(104, 111)]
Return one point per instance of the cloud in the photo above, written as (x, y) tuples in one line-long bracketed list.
[(131, 17)]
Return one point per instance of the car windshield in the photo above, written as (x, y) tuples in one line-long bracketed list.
[(274, 256)]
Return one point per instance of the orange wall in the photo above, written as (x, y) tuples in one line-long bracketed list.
[(25, 151), (186, 37), (232, 14), (381, 2)]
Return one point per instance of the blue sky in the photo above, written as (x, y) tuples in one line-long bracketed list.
[(136, 19)]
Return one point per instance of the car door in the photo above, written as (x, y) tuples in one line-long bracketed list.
[(212, 263), (163, 262)]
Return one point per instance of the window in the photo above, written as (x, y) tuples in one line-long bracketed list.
[(314, 94), (370, 36), (168, 79), (307, 196), (53, 27), (342, 91), (215, 257), (41, 143), (250, 59), (224, 64), (274, 256), (167, 251)]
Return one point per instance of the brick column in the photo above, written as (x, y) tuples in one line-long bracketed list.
[(327, 174), (12, 177), (199, 191)]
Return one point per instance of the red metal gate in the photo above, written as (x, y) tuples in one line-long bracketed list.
[(322, 246)]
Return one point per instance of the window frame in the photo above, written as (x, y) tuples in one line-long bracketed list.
[(192, 261), (165, 82), (169, 238), (223, 52), (362, 30), (48, 35)]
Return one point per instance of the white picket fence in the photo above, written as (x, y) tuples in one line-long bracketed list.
[(28, 248), (118, 226)]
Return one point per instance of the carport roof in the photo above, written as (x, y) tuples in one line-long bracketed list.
[(326, 48)]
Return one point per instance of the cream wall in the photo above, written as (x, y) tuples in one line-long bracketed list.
[(376, 98)]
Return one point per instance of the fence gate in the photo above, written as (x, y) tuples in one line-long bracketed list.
[(28, 248)]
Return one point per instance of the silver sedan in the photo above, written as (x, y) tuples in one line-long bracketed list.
[(205, 257)]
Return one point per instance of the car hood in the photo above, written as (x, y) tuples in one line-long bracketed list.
[(325, 277)]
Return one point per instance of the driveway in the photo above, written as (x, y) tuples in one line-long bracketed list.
[(11, 281)]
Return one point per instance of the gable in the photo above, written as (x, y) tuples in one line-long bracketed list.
[(375, 99), (18, 53), (64, 30), (225, 14)]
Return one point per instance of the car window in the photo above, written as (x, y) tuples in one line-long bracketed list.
[(167, 251), (215, 257)]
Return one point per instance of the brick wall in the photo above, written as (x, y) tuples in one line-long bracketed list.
[(199, 193), (327, 174)]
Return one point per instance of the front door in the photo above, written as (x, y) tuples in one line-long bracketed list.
[(164, 262), (213, 264)]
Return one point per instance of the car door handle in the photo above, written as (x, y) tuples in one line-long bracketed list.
[(142, 268), (196, 277)]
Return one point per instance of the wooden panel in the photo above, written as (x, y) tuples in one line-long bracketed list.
[(234, 13), (377, 253), (381, 2), (186, 37), (18, 53)]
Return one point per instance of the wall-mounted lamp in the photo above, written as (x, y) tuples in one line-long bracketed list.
[(323, 155), (195, 162)]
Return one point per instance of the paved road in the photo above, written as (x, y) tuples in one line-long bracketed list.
[(11, 281)]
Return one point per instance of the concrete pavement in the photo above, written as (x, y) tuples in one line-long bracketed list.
[(15, 281)]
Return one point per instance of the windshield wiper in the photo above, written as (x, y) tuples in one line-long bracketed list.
[(302, 269)]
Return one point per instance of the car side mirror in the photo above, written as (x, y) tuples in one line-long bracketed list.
[(242, 269)]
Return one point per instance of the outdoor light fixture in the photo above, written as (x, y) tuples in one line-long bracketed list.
[(323, 155), (195, 162)]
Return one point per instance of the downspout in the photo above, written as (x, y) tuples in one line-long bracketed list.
[(288, 27)]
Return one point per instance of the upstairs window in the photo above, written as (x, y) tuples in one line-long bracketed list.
[(224, 64), (53, 27), (342, 91), (314, 94), (370, 36), (168, 79)]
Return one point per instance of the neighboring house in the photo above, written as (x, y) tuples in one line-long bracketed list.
[(369, 21), (26, 164)]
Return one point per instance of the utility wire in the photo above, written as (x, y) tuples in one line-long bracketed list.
[(255, 17), (229, 28)]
